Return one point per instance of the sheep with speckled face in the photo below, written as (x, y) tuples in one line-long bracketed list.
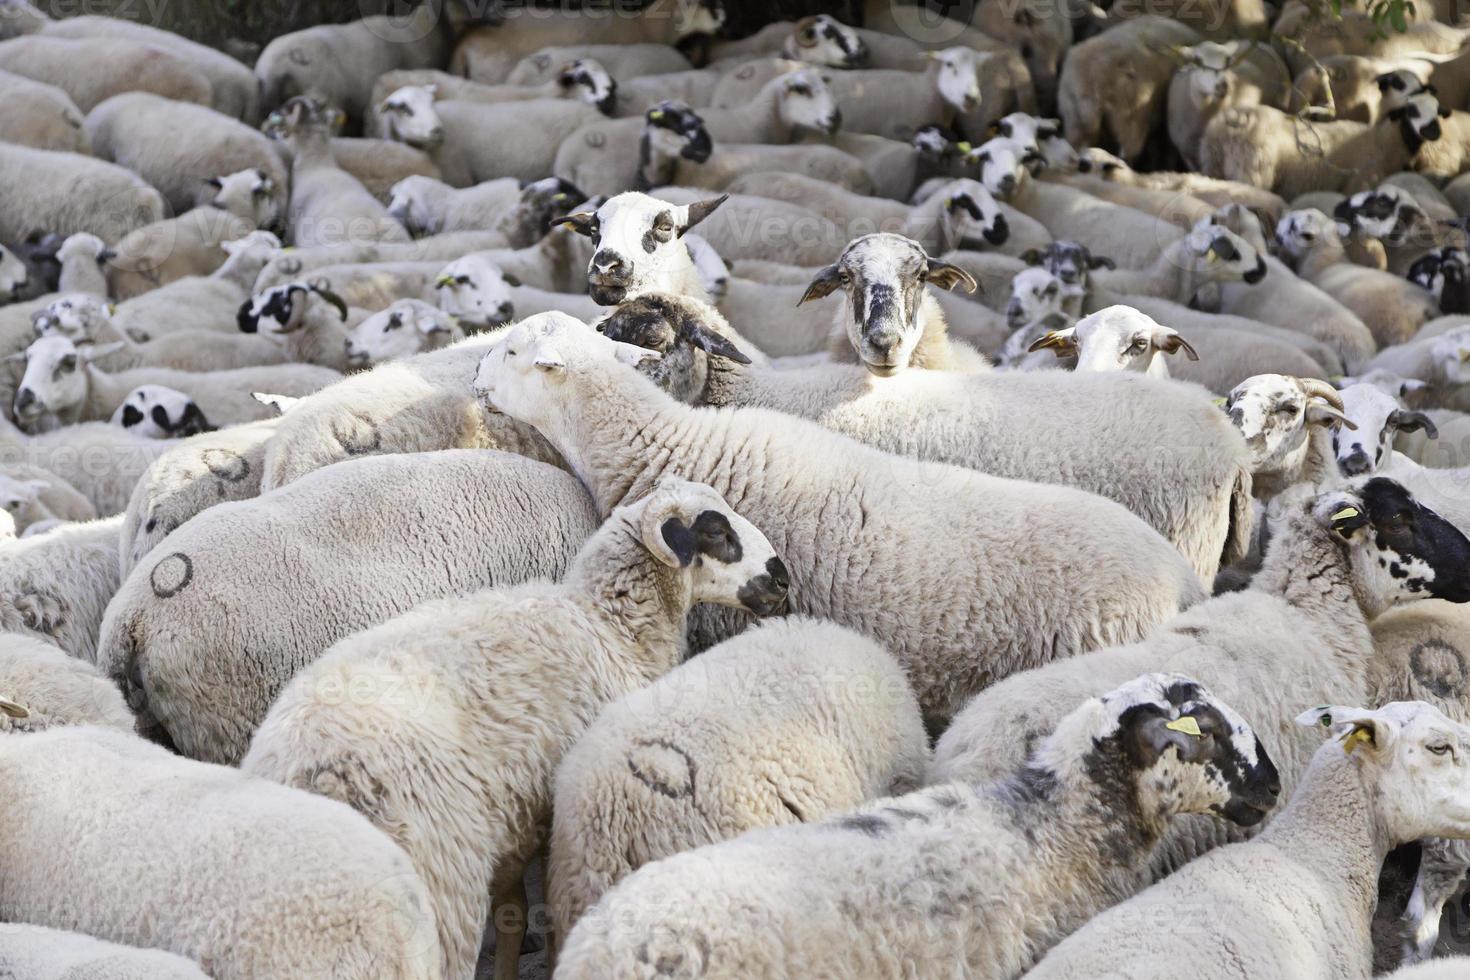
[(614, 624), (975, 879), (789, 722), (408, 327)]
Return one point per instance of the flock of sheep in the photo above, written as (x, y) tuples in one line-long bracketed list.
[(366, 497)]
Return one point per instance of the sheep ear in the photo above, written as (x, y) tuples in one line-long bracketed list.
[(1406, 421), (633, 355), (215, 182), (1153, 735), (947, 276), (95, 352), (548, 360), (674, 544), (429, 324), (1171, 343), (510, 279), (822, 285), (712, 343), (700, 210), (1320, 413), (1354, 728), (583, 222), (12, 708), (1444, 113), (281, 403), (1032, 256), (19, 357), (1101, 262), (1061, 342)]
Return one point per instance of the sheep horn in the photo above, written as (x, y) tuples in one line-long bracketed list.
[(1315, 388), (332, 298), (1052, 339), (12, 708)]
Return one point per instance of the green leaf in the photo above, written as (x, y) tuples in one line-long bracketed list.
[(1397, 17)]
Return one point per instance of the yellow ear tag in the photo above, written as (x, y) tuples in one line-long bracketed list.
[(656, 115), (1187, 725), (1358, 737), (963, 146), (1219, 402), (1345, 513)]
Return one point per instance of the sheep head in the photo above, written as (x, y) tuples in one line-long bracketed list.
[(1217, 254), (805, 103), (884, 276), (1449, 356), (1003, 165), (282, 309), (824, 40), (408, 116), (1118, 338), (77, 317), (638, 247), (585, 79), (1378, 417), (406, 328), (54, 381), (1035, 294), (160, 412), (683, 331), (1274, 413), (1416, 760), (476, 292), (956, 77)]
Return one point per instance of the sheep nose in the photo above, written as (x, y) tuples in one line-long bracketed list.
[(1355, 463), (606, 263), (834, 122), (1222, 89), (437, 133), (1007, 185), (505, 312), (25, 400)]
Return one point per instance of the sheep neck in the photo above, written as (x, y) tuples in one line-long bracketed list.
[(641, 598), (1306, 464), (1308, 568), (1327, 252), (311, 148), (1332, 827), (83, 275)]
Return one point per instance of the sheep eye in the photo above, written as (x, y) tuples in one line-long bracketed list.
[(844, 277), (510, 353), (1137, 346), (68, 364), (1438, 749), (1027, 51), (395, 321), (1286, 410)]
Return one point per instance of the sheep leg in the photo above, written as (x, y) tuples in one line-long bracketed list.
[(508, 910)]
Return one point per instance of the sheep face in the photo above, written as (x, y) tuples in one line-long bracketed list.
[(476, 292), (1219, 255), (15, 275), (675, 328), (276, 311), (20, 500), (1211, 79), (541, 202), (409, 117), (526, 375), (1398, 549), (969, 218), (726, 559), (1416, 760), (806, 104), (1001, 165), (406, 328), (1118, 338), (585, 79), (81, 247), (1101, 164), (884, 276), (1388, 213), (956, 78), (1274, 413), (54, 379), (1396, 86), (248, 194), (1035, 293), (1418, 119), (673, 131), (1449, 356), (1070, 262), (1044, 135), (1185, 750), (158, 412), (1443, 272), (75, 317), (823, 40), (936, 143), (1239, 219), (1378, 416), (637, 246), (408, 206)]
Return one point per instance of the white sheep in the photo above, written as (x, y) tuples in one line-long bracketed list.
[(307, 319), (481, 295), (1213, 77), (1213, 191), (1207, 256), (160, 412), (489, 518), (1118, 338), (1378, 417), (1441, 361), (584, 79), (406, 328), (1206, 463), (550, 371), (789, 722), (426, 206), (66, 193), (61, 381), (616, 155), (192, 476), (252, 194), (50, 954), (41, 686), (101, 461), (613, 625), (134, 129), (31, 495), (624, 266), (93, 69), (1392, 308), (1383, 778), (195, 244), (40, 115), (82, 257), (975, 879), (324, 893), (55, 586), (1287, 424)]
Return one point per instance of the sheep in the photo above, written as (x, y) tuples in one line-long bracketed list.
[(480, 295), (732, 163), (1326, 573), (82, 257), (688, 760), (613, 156), (364, 287), (50, 954), (328, 206), (1214, 76), (56, 585), (818, 40), (1443, 273), (993, 867), (428, 207), (1383, 778), (158, 412), (39, 115), (637, 247), (421, 404), (1378, 417), (1207, 255), (749, 227), (382, 337), (458, 135), (132, 129), (1287, 423), (1439, 137), (1233, 348), (1398, 225), (66, 193), (943, 667), (519, 519), (903, 418), (489, 54), (1441, 361), (337, 63), (436, 248), (1357, 33), (1118, 338), (584, 79), (1129, 236), (1392, 308), (101, 461), (620, 612), (31, 495), (61, 381), (1108, 86), (307, 318), (161, 252), (1213, 191), (92, 70), (616, 60), (51, 688), (323, 894)]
